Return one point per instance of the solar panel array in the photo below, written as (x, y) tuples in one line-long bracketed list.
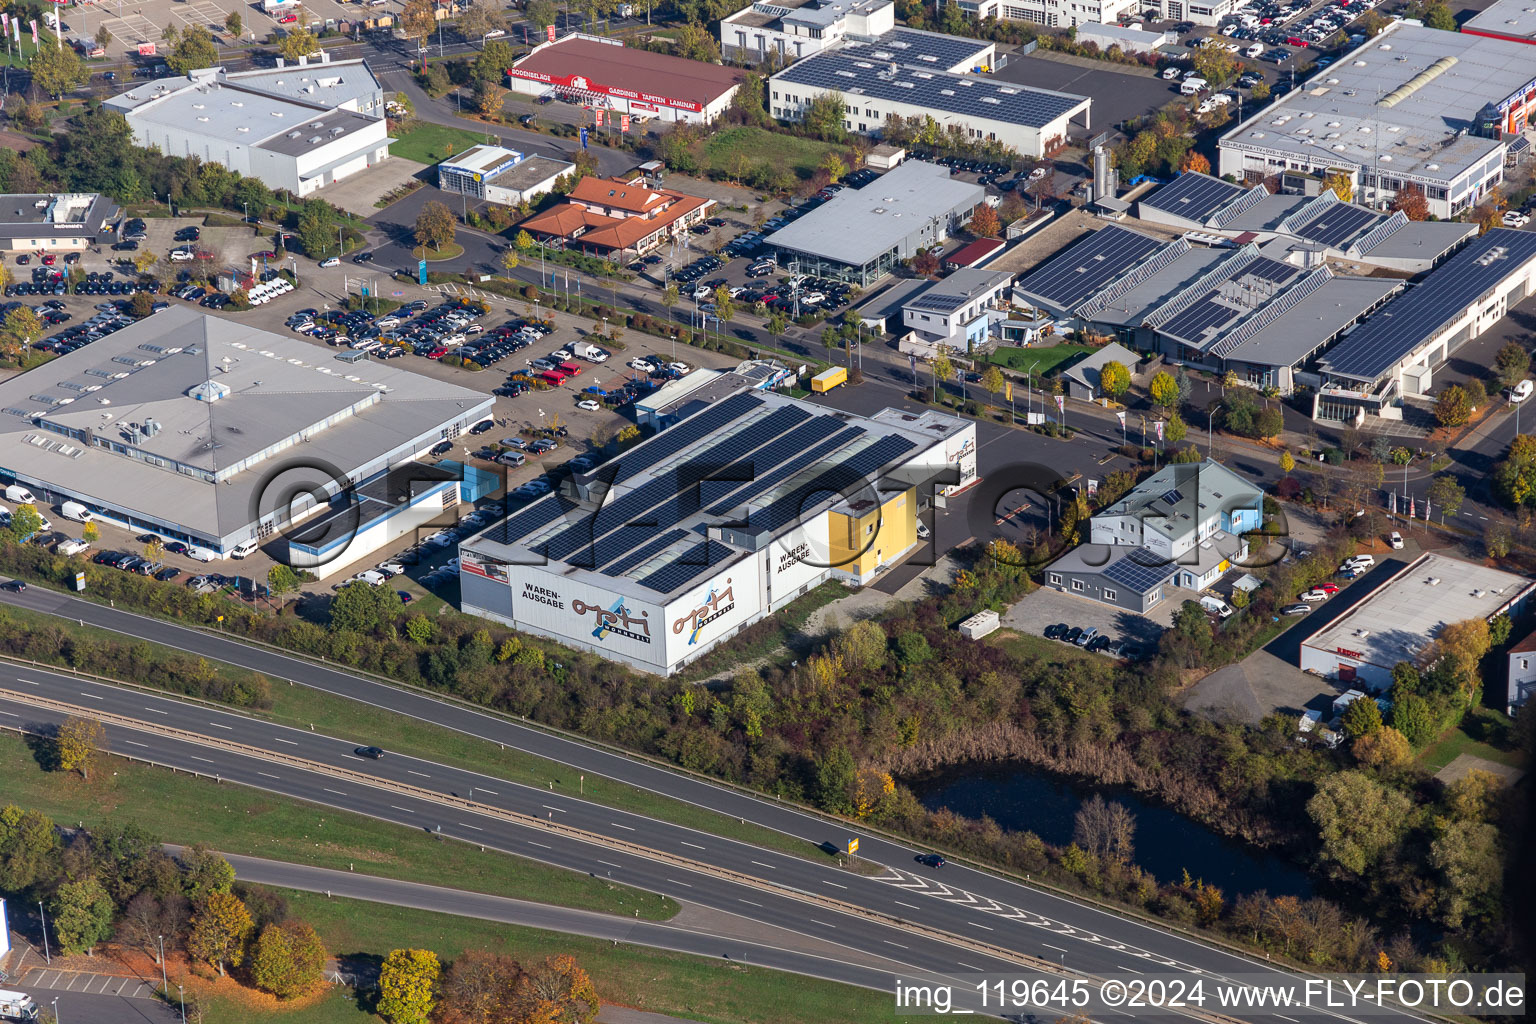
[(679, 436), (847, 73), (1088, 265), (1193, 196), (1238, 205), (644, 552), (541, 513), (1139, 569), (1271, 311), (1125, 282), (691, 563), (1379, 233), (767, 481), (906, 46), (1420, 313), (1209, 312), (834, 478), (1226, 270), (1342, 221), (1308, 211)]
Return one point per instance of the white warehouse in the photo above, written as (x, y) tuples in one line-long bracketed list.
[(280, 137)]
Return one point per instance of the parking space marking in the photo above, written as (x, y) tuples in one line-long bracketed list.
[(132, 29)]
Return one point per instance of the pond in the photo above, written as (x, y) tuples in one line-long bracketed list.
[(1023, 799)]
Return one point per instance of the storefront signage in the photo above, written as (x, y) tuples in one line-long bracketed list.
[(793, 557), (718, 603), (1357, 655), (615, 619), (585, 84), (542, 595)]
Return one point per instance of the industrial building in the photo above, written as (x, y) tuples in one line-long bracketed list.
[(911, 74), (787, 30), (1181, 528), (213, 433), (861, 234), (343, 84), (1413, 104), (1514, 20), (713, 523), (1051, 13), (1127, 38), (1402, 616), (500, 175), (298, 143), (618, 216), (56, 222), (607, 75)]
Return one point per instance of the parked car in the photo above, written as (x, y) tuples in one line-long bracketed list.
[(1296, 609), (1396, 540), (1313, 596)]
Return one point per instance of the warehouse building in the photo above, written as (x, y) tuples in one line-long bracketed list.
[(297, 143), (213, 433), (1411, 105), (787, 30), (1513, 20), (861, 234), (604, 74), (1127, 38), (1400, 618), (1051, 13), (56, 222), (500, 175), (904, 75), (343, 84), (714, 523)]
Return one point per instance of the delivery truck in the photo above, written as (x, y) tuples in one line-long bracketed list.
[(17, 1006), (826, 380)]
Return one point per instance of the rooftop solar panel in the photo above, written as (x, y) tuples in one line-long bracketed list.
[(1194, 196), (1421, 312), (620, 566), (1140, 569), (692, 563), (765, 482), (1342, 222), (680, 435), (835, 478), (541, 513), (1088, 265)]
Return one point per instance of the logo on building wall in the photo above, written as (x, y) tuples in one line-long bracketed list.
[(615, 619), (578, 82), (715, 605), (1357, 655)]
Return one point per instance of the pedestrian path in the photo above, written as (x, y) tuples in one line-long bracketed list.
[(53, 979)]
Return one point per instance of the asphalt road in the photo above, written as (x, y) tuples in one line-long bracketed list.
[(964, 901)]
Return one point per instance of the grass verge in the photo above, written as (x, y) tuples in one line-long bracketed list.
[(183, 809), (427, 143), (1471, 737), (1043, 360), (685, 986), (725, 151)]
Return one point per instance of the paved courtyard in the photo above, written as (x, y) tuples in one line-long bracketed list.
[(1045, 607)]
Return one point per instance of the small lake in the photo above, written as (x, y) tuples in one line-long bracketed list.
[(1023, 799)]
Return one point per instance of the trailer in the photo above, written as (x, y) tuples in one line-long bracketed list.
[(826, 380)]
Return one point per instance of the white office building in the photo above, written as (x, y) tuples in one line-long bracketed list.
[(500, 175), (1050, 13), (787, 30), (955, 313)]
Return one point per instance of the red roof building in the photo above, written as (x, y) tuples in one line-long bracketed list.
[(615, 217), (973, 255), (604, 74)]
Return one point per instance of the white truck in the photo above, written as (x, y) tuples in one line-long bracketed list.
[(17, 1006), (593, 354), (18, 493), (76, 511), (71, 547)]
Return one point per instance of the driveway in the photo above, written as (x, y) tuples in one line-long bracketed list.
[(1045, 607), (358, 193)]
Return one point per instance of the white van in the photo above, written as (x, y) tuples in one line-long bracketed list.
[(244, 549), (71, 547), (1254, 50), (1216, 606), (1193, 86), (76, 511), (592, 353), (18, 493)]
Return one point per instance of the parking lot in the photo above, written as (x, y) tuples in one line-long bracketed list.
[(1037, 612), (135, 22)]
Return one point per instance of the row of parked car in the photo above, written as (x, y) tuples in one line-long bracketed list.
[(1090, 639), (109, 319), (133, 563)]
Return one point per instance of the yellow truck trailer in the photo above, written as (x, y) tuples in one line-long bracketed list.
[(826, 380)]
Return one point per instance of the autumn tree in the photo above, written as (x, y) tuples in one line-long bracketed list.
[(1438, 15), (288, 959), (1452, 409), (481, 17), (435, 226), (992, 380), (558, 990), (1105, 829), (984, 222), (1114, 379), (1339, 182), (418, 19), (1446, 495), (298, 41), (57, 70), (1411, 200), (1384, 748), (78, 743), (234, 24), (408, 985), (1196, 162), (1164, 390), (1287, 462), (1512, 363), (203, 873), (1358, 820), (20, 327), (1470, 862), (220, 930), (82, 915), (1456, 652), (1361, 718), (479, 988)]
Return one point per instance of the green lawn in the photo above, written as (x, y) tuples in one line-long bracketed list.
[(428, 143), (1472, 737), (658, 981), (1043, 360), (182, 809), (757, 146)]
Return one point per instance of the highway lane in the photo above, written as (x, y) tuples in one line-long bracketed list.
[(1093, 932), (972, 920)]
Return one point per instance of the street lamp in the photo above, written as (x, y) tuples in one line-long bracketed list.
[(164, 984), (183, 994), (55, 1010), (44, 918)]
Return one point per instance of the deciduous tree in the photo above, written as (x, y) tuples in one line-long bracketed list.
[(29, 848), (288, 959), (1196, 162), (82, 915), (78, 744), (58, 70), (1105, 829), (1114, 379), (1452, 408), (1164, 390), (558, 990), (220, 930), (417, 20), (435, 226), (1358, 820), (1361, 718), (298, 41), (364, 609), (1339, 182), (479, 988), (204, 873), (408, 986), (1384, 748), (1411, 200), (984, 222)]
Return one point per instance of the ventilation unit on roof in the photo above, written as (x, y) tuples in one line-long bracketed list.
[(295, 134), (314, 124)]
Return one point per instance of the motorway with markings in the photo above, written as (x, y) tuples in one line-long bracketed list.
[(964, 902)]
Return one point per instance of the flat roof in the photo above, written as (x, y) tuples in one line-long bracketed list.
[(221, 110), (857, 225), (1424, 309), (1420, 239), (958, 289), (273, 394), (1241, 284), (1127, 307), (1397, 620), (1293, 335), (63, 213), (654, 524), (1396, 103), (481, 159), (629, 68), (531, 171), (330, 83), (1087, 265), (1192, 196), (932, 50), (1515, 19), (867, 71)]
